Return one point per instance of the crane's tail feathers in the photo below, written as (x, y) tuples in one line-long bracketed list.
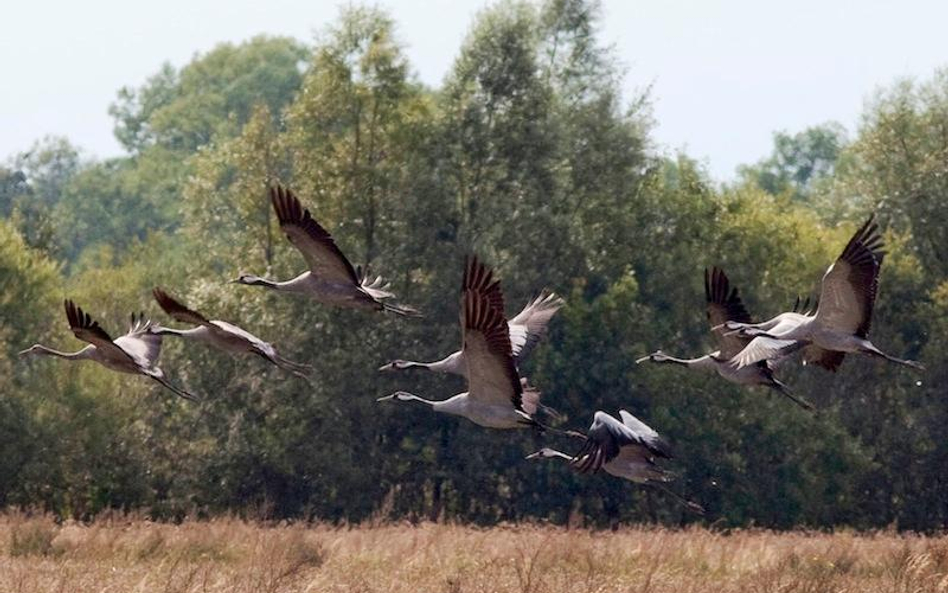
[(546, 302), (403, 310), (782, 389), (690, 505), (377, 287), (177, 390)]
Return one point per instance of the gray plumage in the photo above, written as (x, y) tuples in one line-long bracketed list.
[(331, 278), (136, 352), (526, 329), (723, 304), (221, 334), (496, 395), (626, 448), (842, 319)]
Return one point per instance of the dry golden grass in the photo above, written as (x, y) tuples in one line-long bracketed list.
[(130, 555)]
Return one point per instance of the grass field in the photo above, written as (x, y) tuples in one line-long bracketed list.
[(124, 555)]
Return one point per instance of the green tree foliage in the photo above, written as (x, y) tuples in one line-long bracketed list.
[(900, 163), (799, 161), (27, 279), (34, 185), (529, 156), (214, 94)]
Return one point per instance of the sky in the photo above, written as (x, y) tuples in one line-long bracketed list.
[(724, 74)]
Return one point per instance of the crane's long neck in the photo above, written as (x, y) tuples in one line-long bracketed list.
[(193, 333), (449, 364), (680, 361), (763, 326), (560, 454), (258, 281), (454, 405), (83, 354), (414, 364), (405, 396)]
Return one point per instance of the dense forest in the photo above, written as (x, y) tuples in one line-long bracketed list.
[(530, 156)]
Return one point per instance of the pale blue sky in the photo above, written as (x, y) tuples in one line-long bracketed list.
[(725, 74)]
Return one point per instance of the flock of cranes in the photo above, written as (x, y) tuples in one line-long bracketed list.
[(497, 395)]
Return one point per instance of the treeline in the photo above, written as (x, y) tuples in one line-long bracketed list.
[(528, 155)]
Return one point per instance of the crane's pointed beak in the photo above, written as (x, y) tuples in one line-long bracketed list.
[(387, 367), (533, 455), (643, 359), (385, 398)]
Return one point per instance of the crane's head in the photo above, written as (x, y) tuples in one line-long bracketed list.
[(657, 356), (397, 365), (34, 349), (544, 453)]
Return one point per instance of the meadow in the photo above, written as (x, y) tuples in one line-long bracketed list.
[(127, 554)]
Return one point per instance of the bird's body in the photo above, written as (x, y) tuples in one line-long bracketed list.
[(496, 395), (328, 292), (134, 353), (452, 364), (526, 329), (221, 334), (626, 448), (223, 340), (634, 466), (842, 320), (331, 279), (108, 358), (714, 363), (484, 413), (724, 305)]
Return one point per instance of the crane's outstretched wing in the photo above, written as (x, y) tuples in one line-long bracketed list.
[(529, 326), (262, 348), (723, 305), (804, 306), (607, 436), (765, 348), (491, 374), (479, 278), (141, 342), (322, 255), (647, 435), (88, 330), (530, 399), (84, 327), (233, 330), (177, 310), (849, 286)]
